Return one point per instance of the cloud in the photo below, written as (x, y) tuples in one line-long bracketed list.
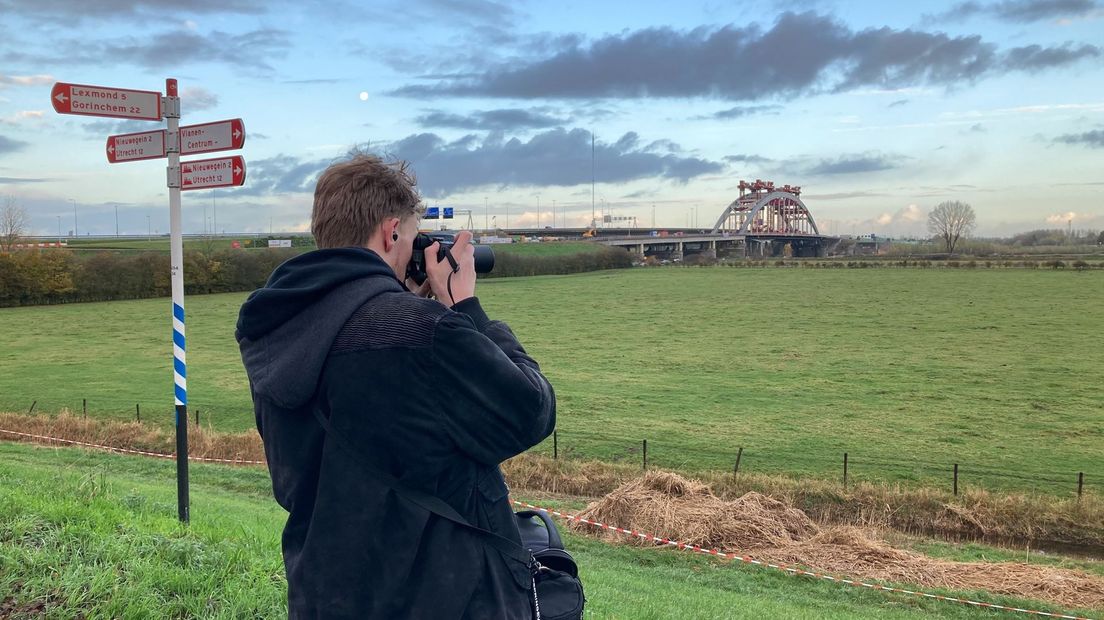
[(65, 13), (109, 128), (750, 159), (555, 157), (163, 50), (197, 99), (17, 181), (1037, 58), (747, 63), (9, 145), (282, 174), (853, 164), (1065, 218), (1093, 139), (314, 81), (899, 102), (740, 111), (508, 119), (22, 117), (25, 80), (1017, 11)]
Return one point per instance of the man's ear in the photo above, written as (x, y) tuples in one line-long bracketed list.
[(390, 233)]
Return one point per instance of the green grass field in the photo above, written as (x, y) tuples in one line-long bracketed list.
[(93, 535), (906, 370)]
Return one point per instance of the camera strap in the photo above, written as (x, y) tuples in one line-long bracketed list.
[(429, 502)]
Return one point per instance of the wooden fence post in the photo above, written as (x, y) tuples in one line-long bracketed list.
[(84, 406), (645, 454), (956, 479), (31, 410), (845, 470), (555, 446), (736, 468), (137, 412), (197, 417), (1080, 484)]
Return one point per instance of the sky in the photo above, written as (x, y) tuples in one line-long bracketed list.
[(879, 111)]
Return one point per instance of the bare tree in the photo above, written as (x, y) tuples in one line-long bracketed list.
[(13, 223), (950, 221)]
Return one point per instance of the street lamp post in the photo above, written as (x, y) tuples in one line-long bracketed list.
[(59, 229), (486, 215), (116, 220), (149, 236), (74, 216), (538, 211)]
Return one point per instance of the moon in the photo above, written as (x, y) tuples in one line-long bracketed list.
[(363, 95)]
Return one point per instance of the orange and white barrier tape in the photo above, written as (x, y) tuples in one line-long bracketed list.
[(642, 535), (789, 569)]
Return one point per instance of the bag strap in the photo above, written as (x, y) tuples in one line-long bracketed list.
[(427, 501)]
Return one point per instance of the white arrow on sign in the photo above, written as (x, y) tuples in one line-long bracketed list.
[(209, 173)]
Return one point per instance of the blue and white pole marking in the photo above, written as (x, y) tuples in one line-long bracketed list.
[(180, 366)]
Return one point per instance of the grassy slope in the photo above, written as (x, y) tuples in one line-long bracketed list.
[(96, 534), (991, 369)]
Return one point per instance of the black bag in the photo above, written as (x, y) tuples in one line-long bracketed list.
[(559, 593)]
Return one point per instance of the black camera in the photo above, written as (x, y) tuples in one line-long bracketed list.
[(484, 256)]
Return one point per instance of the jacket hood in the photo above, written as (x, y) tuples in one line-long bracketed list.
[(285, 329)]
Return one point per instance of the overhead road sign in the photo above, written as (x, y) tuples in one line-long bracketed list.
[(211, 137), (136, 146), (106, 101), (210, 173)]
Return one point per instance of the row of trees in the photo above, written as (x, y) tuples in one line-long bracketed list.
[(33, 277), (57, 276)]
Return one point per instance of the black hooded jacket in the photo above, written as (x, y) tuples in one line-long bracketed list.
[(436, 397)]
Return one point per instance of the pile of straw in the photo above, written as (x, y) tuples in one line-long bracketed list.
[(688, 511), (668, 505)]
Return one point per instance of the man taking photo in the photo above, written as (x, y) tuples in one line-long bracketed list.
[(429, 392)]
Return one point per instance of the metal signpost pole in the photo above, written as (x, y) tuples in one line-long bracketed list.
[(176, 262), (148, 105)]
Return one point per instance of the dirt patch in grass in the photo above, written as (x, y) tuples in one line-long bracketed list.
[(769, 529)]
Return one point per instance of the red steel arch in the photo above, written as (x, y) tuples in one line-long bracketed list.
[(763, 209)]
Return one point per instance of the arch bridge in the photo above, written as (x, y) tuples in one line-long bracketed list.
[(765, 220)]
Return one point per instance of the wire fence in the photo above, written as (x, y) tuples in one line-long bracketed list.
[(846, 465), (681, 452)]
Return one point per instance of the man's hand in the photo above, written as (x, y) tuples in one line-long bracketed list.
[(448, 286)]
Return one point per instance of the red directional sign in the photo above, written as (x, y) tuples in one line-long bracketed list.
[(209, 173), (136, 146), (210, 137), (106, 101)]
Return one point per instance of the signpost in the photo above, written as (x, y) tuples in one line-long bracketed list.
[(105, 101), (194, 139), (171, 142), (211, 137), (136, 146), (208, 173)]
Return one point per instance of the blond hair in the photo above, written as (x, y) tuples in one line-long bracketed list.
[(355, 196)]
